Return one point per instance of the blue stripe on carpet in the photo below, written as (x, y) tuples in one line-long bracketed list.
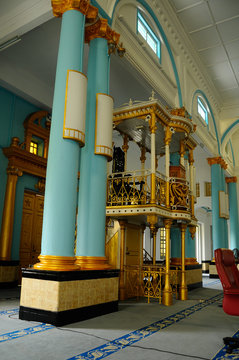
[(113, 346), (23, 332), (9, 312), (222, 354)]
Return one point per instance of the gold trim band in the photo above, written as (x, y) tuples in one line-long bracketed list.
[(92, 262), (188, 261), (56, 263)]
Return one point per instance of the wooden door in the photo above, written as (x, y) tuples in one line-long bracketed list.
[(133, 245), (32, 215)]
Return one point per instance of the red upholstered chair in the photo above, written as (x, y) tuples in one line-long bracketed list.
[(229, 276)]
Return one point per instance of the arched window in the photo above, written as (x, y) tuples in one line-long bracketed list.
[(202, 109), (145, 30)]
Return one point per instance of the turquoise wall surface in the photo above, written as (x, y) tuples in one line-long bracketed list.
[(14, 111)]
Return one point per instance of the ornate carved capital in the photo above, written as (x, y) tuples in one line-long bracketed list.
[(215, 160), (12, 170), (168, 135), (152, 219), (122, 224), (183, 227), (223, 164), (152, 124), (181, 112), (167, 223), (84, 6), (231, 179), (101, 29)]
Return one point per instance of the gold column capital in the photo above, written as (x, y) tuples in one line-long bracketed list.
[(59, 7), (214, 160), (223, 164), (168, 135), (152, 123), (183, 227), (232, 179), (152, 219), (101, 29), (12, 170), (167, 223), (123, 224)]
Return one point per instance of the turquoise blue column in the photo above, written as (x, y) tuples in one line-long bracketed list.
[(190, 250), (224, 221), (233, 212), (217, 223), (175, 236), (63, 159), (93, 169)]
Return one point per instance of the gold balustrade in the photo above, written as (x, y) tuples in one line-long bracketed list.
[(128, 189), (135, 189), (148, 281), (179, 194)]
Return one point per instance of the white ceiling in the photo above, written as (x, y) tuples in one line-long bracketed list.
[(213, 28), (211, 25)]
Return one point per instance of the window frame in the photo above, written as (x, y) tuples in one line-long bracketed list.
[(200, 104), (34, 147), (150, 33)]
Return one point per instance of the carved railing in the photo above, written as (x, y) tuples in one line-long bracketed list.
[(148, 281), (179, 194), (128, 189), (160, 189), (135, 189)]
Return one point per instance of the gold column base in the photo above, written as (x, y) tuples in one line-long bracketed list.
[(5, 258), (188, 261), (92, 263), (56, 263), (183, 293), (167, 298)]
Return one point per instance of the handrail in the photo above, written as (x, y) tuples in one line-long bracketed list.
[(146, 252)]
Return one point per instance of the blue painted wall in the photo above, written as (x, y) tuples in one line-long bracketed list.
[(14, 111)]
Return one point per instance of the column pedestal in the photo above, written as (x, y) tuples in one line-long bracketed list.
[(64, 297)]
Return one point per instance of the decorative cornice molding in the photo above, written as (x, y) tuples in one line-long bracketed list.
[(24, 161), (180, 38)]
